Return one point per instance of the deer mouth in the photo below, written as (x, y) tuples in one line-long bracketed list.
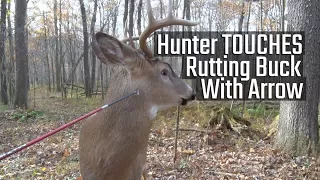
[(185, 101)]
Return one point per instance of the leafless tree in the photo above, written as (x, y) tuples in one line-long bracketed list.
[(85, 49), (21, 50), (3, 78), (298, 131)]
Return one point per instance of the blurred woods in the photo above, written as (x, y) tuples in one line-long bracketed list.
[(47, 44)]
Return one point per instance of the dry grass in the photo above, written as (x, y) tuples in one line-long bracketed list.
[(200, 155)]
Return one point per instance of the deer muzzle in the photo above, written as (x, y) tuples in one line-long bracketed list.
[(190, 98)]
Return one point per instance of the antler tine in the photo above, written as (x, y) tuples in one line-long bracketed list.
[(150, 12), (157, 24)]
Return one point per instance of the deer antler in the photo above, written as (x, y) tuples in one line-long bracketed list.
[(157, 24)]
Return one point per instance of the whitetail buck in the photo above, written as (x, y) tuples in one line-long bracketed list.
[(113, 143)]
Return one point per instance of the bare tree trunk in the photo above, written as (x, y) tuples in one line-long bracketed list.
[(298, 131), (188, 12), (57, 61), (261, 16), (161, 11), (47, 49), (85, 50), (61, 57), (52, 68), (101, 80), (139, 17), (71, 57), (283, 5), (187, 15), (21, 50), (114, 24), (3, 78), (131, 17), (249, 14), (27, 56), (241, 18), (240, 27), (219, 17), (125, 14), (10, 71), (93, 56)]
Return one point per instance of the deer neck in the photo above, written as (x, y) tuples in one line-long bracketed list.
[(135, 112)]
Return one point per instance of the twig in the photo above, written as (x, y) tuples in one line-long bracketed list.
[(222, 173), (243, 107), (196, 130), (270, 114), (231, 104), (269, 103), (176, 136)]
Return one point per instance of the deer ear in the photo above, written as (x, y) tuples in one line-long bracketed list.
[(111, 51)]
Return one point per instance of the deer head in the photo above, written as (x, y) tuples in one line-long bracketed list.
[(155, 79), (113, 143)]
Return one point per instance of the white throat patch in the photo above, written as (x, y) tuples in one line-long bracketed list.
[(153, 112)]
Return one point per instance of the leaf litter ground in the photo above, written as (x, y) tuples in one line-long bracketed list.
[(214, 154)]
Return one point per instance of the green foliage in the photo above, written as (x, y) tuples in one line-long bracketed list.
[(3, 107), (256, 111), (183, 164), (29, 114)]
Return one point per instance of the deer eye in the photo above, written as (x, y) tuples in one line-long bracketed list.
[(164, 72)]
